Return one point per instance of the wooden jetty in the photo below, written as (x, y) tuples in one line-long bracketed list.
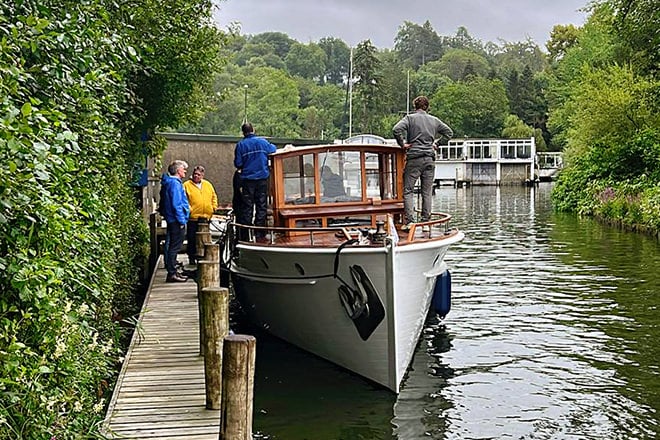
[(160, 391)]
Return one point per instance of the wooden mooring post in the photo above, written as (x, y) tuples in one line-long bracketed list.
[(239, 357), (215, 315), (208, 275), (202, 237)]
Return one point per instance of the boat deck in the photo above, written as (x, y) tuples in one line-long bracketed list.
[(334, 238)]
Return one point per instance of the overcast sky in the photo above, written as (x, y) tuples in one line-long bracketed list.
[(379, 20)]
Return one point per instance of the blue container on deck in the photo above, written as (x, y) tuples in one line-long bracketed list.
[(441, 301)]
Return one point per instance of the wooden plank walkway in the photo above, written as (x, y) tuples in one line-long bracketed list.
[(160, 391)]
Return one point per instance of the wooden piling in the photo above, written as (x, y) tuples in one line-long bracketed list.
[(214, 303), (208, 275), (212, 252), (239, 357), (203, 237), (153, 239)]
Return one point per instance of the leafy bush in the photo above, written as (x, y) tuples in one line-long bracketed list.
[(72, 240)]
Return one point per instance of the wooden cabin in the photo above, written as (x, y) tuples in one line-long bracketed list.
[(337, 185)]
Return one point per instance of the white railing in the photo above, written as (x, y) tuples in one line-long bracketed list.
[(487, 149)]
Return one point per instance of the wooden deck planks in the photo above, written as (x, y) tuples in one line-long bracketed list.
[(160, 391)]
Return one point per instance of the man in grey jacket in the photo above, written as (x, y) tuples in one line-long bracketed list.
[(418, 133)]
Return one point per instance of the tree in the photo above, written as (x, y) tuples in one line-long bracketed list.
[(180, 51), (562, 38), (307, 61), (251, 50), (279, 42), (476, 107), (366, 67), (455, 63), (515, 56), (526, 97), (273, 102), (428, 79), (515, 128), (417, 45), (636, 22), (327, 101), (463, 40), (337, 58), (597, 47)]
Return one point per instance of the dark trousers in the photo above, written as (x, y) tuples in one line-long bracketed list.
[(191, 237), (174, 239), (254, 195), (422, 168), (237, 198)]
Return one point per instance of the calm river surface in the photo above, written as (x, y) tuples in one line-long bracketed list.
[(554, 333)]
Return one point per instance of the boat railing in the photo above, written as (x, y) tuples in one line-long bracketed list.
[(437, 224), (438, 220), (270, 233)]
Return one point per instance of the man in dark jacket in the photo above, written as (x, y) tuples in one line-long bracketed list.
[(417, 133), (174, 207), (251, 158)]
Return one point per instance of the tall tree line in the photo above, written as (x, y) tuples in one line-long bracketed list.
[(473, 86)]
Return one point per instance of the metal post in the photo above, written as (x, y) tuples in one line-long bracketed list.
[(245, 119)]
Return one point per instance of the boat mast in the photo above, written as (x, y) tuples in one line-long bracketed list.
[(408, 94), (350, 95)]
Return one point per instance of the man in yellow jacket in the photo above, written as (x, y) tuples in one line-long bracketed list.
[(203, 202)]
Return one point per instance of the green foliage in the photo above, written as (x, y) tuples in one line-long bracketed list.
[(562, 38), (72, 241), (367, 85), (384, 82), (476, 107), (272, 102), (307, 61), (620, 183), (607, 105), (636, 23), (516, 56), (278, 41), (515, 128), (457, 63), (417, 45), (337, 55), (179, 51)]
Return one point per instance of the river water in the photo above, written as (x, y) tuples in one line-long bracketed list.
[(554, 333)]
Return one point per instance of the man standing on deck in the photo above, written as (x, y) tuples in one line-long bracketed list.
[(418, 134), (203, 202), (251, 158), (174, 207)]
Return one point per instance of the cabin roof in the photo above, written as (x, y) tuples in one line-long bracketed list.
[(291, 150)]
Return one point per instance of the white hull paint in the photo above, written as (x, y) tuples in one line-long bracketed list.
[(292, 293)]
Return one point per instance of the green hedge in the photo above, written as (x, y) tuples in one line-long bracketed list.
[(617, 183), (71, 237)]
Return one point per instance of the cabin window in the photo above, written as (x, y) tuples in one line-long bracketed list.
[(349, 162), (380, 171), (299, 180), (338, 181)]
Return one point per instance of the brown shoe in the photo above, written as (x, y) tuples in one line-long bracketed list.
[(176, 279)]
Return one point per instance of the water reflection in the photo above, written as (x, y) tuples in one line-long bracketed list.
[(553, 334)]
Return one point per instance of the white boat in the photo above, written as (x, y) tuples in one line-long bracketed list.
[(335, 274)]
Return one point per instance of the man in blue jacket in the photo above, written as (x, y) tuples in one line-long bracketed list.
[(174, 207), (251, 158)]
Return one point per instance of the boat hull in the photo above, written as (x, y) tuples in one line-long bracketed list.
[(295, 294)]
